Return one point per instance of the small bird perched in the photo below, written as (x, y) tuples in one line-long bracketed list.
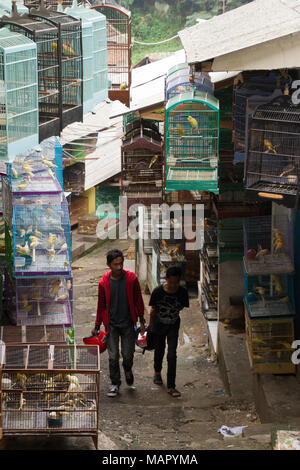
[(123, 86), (23, 250), (278, 287), (153, 160), (285, 299), (63, 248), (193, 122), (68, 49), (270, 147), (180, 130), (51, 253), (261, 252)]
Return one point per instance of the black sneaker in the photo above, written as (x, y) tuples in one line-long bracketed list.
[(129, 377)]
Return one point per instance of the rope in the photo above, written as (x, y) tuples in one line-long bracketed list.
[(154, 43)]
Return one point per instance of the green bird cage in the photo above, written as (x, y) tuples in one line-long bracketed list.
[(18, 94), (192, 142)]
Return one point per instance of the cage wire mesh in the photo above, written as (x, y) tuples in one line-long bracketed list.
[(118, 25), (269, 296), (183, 81), (41, 235), (18, 94), (268, 245), (50, 334), (50, 388), (273, 155), (46, 39), (69, 51), (192, 135)]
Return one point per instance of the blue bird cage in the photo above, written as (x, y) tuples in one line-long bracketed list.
[(18, 94), (87, 55), (41, 236), (44, 301)]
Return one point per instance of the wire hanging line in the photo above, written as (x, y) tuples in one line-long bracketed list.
[(154, 43)]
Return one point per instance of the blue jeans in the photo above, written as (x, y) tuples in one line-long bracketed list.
[(127, 334), (161, 334)]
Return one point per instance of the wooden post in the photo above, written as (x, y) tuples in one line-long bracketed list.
[(1, 431)]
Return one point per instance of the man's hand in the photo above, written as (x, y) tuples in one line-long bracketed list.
[(95, 332), (142, 329)]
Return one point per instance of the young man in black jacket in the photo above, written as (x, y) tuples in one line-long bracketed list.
[(166, 302)]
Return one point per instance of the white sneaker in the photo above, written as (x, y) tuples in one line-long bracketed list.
[(113, 391)]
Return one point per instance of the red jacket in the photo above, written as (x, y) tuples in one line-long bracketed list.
[(134, 295)]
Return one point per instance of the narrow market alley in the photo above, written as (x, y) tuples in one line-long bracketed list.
[(146, 417)]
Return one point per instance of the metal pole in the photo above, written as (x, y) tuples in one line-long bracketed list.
[(223, 6)]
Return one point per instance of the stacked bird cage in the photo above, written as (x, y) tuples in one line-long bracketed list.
[(99, 46), (272, 169), (182, 80), (208, 282), (74, 178), (49, 96), (69, 52), (230, 240), (46, 334), (192, 140), (18, 94), (141, 170), (51, 390), (118, 27)]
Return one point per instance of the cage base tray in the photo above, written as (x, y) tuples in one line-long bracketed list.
[(271, 264)]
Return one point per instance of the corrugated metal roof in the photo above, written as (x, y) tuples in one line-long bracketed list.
[(255, 23)]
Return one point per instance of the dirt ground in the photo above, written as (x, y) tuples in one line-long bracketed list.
[(146, 417)]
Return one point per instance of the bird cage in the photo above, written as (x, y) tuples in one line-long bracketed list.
[(18, 94), (74, 178), (272, 168), (183, 81), (51, 390), (118, 27), (269, 296), (192, 142), (53, 4), (100, 71), (69, 52), (51, 334), (46, 39), (7, 209), (44, 301), (87, 55), (35, 186), (41, 236), (230, 240), (6, 5), (268, 245), (269, 343)]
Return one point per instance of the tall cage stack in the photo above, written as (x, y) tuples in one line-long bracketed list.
[(269, 293), (118, 26), (69, 54), (49, 97)]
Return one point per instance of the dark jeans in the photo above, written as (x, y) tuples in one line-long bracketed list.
[(170, 333), (127, 334)]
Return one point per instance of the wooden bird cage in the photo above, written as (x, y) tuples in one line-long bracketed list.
[(118, 24), (70, 55), (46, 38), (48, 334), (51, 390)]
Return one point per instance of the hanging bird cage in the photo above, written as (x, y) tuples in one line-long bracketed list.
[(41, 236), (118, 25), (273, 168), (49, 334), (269, 296), (74, 178), (69, 52), (268, 245), (46, 39), (6, 5), (183, 80), (141, 171), (18, 94), (192, 142), (99, 49), (51, 390), (87, 56), (44, 301)]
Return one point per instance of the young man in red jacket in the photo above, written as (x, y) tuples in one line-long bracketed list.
[(120, 304)]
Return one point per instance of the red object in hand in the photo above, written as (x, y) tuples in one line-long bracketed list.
[(99, 340), (251, 254), (142, 340)]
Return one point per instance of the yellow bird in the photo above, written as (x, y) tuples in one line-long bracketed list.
[(180, 130), (14, 172), (278, 287), (54, 46), (262, 253), (260, 290), (258, 340), (153, 160), (269, 146), (285, 299), (256, 356), (23, 250), (286, 345), (123, 86), (193, 122), (68, 49)]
